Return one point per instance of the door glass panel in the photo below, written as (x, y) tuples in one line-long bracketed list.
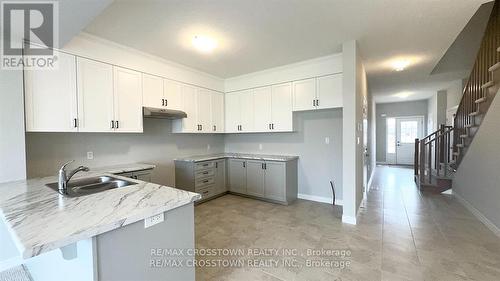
[(409, 131), (391, 135)]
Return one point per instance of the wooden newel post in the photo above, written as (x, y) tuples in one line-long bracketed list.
[(415, 167)]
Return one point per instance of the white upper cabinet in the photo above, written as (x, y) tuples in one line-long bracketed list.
[(282, 118), (152, 91), (263, 109), (217, 109), (127, 100), (190, 123), (203, 111), (247, 110), (172, 94), (304, 94), (318, 93), (240, 112), (329, 91), (95, 96), (50, 97), (232, 112)]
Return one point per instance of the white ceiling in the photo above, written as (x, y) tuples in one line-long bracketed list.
[(259, 34)]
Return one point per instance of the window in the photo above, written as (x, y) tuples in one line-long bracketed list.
[(391, 135), (409, 131)]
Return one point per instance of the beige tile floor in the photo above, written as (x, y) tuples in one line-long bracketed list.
[(401, 235)]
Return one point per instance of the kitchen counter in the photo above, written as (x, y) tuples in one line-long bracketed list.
[(123, 168), (262, 157), (40, 220)]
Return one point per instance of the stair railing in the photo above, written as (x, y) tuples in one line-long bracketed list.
[(433, 154), (477, 93)]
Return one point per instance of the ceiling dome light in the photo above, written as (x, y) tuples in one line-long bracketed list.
[(204, 44), (400, 65), (403, 95)]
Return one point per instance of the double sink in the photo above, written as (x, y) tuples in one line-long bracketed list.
[(87, 186)]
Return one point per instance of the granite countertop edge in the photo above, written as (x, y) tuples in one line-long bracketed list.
[(264, 157)]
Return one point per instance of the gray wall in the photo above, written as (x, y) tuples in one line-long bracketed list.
[(399, 109), (477, 179), (318, 163), (157, 145)]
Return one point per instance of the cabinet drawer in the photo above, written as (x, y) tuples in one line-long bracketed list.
[(204, 173), (206, 192), (204, 182), (204, 165)]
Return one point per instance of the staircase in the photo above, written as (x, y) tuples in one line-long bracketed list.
[(438, 155)]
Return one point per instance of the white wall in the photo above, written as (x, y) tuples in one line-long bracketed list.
[(319, 163), (354, 94), (157, 145), (12, 155), (454, 94), (436, 111), (291, 72), (87, 45), (477, 178)]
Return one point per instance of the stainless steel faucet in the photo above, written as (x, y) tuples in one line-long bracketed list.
[(64, 178)]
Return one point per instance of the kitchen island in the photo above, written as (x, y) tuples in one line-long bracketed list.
[(100, 236)]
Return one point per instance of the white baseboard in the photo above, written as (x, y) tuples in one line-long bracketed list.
[(349, 219), (10, 263), (478, 214), (320, 199)]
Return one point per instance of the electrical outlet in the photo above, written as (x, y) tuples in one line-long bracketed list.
[(327, 140), (260, 146), (90, 155), (208, 147), (156, 219)]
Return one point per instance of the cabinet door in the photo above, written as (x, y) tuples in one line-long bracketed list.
[(262, 104), (255, 178), (247, 111), (232, 112), (152, 91), (237, 176), (172, 93), (50, 97), (304, 94), (330, 91), (203, 110), (95, 96), (220, 176), (128, 100), (282, 108), (217, 109), (275, 181), (189, 124)]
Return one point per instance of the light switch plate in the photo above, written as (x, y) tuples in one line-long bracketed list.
[(208, 147), (327, 140), (156, 219), (90, 155), (260, 146)]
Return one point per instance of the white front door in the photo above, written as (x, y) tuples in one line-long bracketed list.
[(407, 130)]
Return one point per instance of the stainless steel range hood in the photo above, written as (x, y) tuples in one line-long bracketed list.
[(163, 113)]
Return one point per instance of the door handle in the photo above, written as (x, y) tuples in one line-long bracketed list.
[(317, 102), (314, 102), (112, 124), (166, 102), (117, 125), (75, 123), (162, 102), (272, 126)]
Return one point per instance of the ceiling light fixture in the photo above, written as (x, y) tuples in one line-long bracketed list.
[(400, 65), (403, 95), (204, 44)]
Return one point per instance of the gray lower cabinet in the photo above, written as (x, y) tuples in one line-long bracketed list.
[(271, 180), (207, 178), (255, 178), (237, 176)]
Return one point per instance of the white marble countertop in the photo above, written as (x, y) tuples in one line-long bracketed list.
[(263, 157), (40, 220), (123, 168)]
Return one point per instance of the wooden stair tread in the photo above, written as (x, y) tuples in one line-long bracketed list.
[(481, 100), (495, 67), (488, 85)]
